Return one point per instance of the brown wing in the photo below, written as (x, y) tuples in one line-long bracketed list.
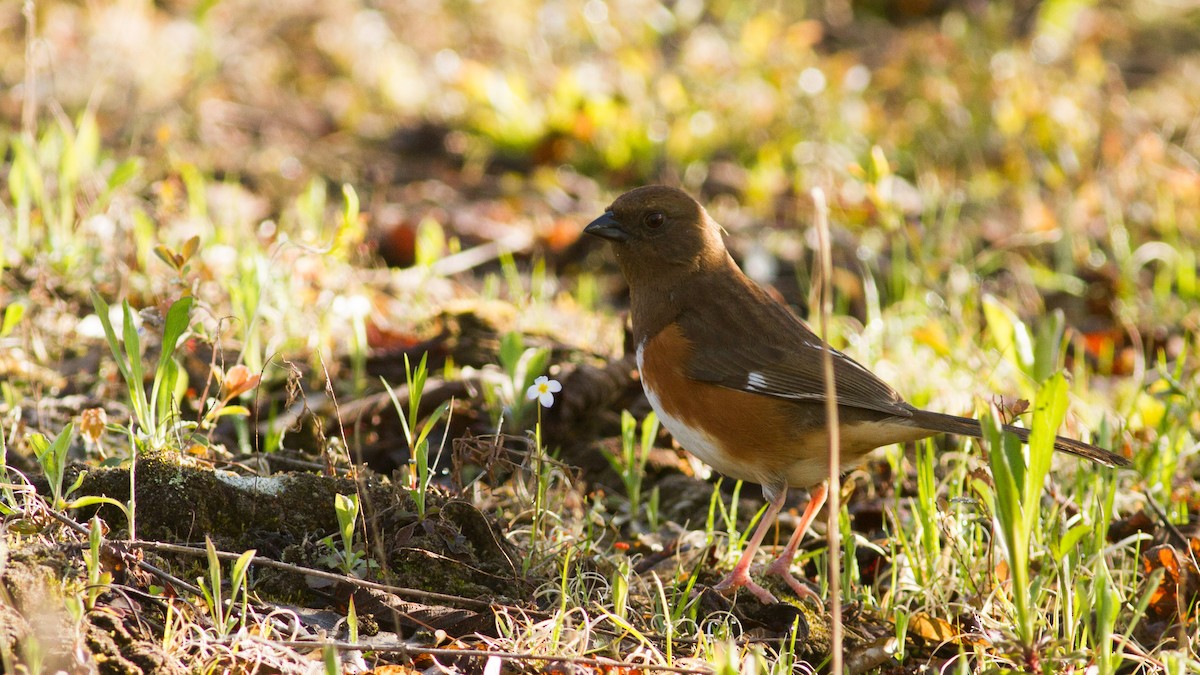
[(766, 349)]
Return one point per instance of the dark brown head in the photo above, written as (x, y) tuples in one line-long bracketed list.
[(659, 232)]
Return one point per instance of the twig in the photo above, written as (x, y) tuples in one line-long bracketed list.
[(406, 650), (1173, 532), (464, 603), (833, 531), (412, 593), (142, 564)]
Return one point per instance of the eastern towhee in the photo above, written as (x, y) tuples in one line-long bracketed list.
[(737, 378)]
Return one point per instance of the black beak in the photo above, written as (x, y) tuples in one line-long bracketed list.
[(607, 227)]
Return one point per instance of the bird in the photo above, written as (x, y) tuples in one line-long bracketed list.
[(737, 378)]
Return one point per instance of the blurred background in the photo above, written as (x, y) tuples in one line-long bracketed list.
[(1068, 114), (1046, 152)]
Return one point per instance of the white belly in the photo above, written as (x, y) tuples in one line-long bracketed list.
[(693, 439)]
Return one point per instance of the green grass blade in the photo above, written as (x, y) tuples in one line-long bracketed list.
[(136, 380), (166, 373), (12, 316), (1006, 460), (102, 311), (1050, 407)]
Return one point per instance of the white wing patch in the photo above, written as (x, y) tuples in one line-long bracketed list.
[(755, 380)]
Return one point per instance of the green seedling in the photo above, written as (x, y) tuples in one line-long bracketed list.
[(155, 415), (654, 510), (620, 587), (52, 458), (430, 244), (540, 286), (728, 516), (346, 508), (927, 513), (309, 208), (348, 559), (51, 177), (542, 474), (246, 291), (329, 659), (512, 276), (98, 579), (8, 496), (900, 618), (419, 475), (635, 451), (179, 261), (564, 596), (542, 391), (1016, 502), (521, 366), (350, 225), (193, 185), (224, 618), (25, 188), (1107, 607), (13, 314), (686, 602), (668, 622), (850, 575), (352, 621), (1038, 353)]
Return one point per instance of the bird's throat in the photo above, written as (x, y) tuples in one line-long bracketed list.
[(652, 309)]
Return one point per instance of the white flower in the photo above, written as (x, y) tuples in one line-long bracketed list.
[(543, 389)]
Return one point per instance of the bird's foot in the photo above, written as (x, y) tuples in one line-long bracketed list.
[(740, 577), (782, 567)]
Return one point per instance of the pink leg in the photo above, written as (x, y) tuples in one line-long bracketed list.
[(740, 576), (783, 564)]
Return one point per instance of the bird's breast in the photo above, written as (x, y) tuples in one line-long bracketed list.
[(690, 435), (742, 435)]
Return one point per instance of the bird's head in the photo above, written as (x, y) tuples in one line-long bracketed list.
[(658, 231)]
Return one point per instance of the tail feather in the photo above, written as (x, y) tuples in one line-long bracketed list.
[(965, 426)]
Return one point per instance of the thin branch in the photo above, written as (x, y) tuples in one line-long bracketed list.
[(411, 593), (833, 530), (142, 564), (406, 650)]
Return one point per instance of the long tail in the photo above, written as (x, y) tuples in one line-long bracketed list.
[(965, 426)]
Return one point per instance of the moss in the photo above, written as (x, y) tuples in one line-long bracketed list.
[(455, 549), (180, 502)]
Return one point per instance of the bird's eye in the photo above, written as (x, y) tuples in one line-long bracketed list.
[(654, 219)]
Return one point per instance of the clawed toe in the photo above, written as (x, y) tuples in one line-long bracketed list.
[(736, 580), (739, 579), (782, 568)]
